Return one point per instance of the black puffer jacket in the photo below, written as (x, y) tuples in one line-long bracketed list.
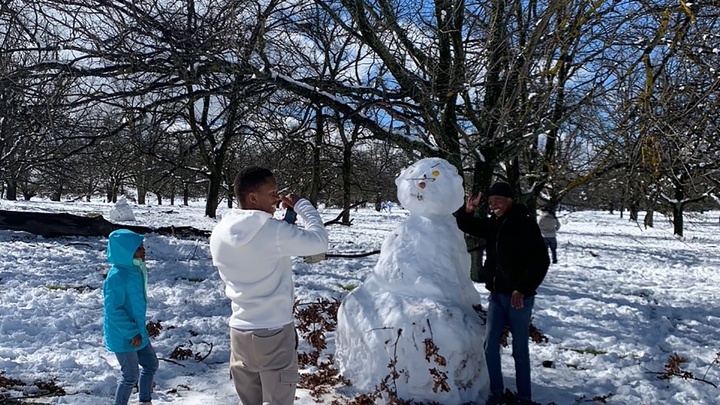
[(516, 257)]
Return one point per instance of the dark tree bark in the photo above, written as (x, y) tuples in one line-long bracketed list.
[(141, 194), (678, 218), (316, 162), (346, 176), (53, 225), (649, 218), (634, 210), (11, 190)]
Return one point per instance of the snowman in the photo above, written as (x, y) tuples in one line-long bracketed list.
[(411, 326)]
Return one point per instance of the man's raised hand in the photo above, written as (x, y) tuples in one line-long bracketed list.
[(472, 202)]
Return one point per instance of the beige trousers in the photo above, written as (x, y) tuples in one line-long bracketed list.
[(264, 365)]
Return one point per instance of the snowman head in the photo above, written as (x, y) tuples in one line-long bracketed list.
[(430, 186)]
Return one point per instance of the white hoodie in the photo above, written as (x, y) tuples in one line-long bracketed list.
[(252, 250)]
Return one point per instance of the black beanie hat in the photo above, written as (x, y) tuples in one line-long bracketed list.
[(502, 189)]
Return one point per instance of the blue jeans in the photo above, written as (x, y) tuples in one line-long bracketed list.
[(500, 313), (129, 362), (552, 244)]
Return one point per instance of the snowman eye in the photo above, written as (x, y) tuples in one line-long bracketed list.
[(436, 173)]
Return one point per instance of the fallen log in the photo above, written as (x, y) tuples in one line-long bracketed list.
[(53, 225)]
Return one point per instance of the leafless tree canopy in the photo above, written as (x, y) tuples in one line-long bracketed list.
[(609, 103)]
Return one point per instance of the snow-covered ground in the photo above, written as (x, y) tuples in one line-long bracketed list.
[(619, 303)]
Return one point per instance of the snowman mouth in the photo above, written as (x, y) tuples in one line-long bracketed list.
[(418, 196)]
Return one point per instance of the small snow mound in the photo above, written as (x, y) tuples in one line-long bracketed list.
[(121, 212)]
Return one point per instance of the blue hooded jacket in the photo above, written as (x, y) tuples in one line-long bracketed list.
[(124, 292)]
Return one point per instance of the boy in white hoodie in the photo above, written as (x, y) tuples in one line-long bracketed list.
[(252, 250)]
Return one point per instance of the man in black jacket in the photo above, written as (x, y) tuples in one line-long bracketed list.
[(515, 265)]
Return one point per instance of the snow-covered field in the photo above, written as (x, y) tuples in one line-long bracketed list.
[(618, 304)]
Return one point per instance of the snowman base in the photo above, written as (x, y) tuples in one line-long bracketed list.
[(426, 351)]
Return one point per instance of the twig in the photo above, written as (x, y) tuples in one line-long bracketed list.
[(683, 376), (27, 396), (192, 255), (394, 371), (78, 244), (198, 358), (382, 328), (171, 361), (353, 255), (717, 357), (337, 219)]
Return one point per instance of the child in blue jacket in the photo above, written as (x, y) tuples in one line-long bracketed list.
[(125, 292)]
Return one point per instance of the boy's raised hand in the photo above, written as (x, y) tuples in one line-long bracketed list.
[(472, 202), (289, 200)]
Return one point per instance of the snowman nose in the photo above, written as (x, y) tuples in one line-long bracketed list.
[(421, 185)]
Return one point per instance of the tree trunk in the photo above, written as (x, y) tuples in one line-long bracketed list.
[(346, 176), (678, 208), (57, 193), (12, 189), (230, 196), (113, 191), (141, 194), (316, 162), (649, 218), (186, 194), (159, 198), (213, 192), (482, 176), (634, 210), (27, 193)]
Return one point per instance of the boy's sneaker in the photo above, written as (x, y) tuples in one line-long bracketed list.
[(144, 403)]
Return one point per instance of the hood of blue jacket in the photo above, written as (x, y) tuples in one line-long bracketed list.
[(122, 245)]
